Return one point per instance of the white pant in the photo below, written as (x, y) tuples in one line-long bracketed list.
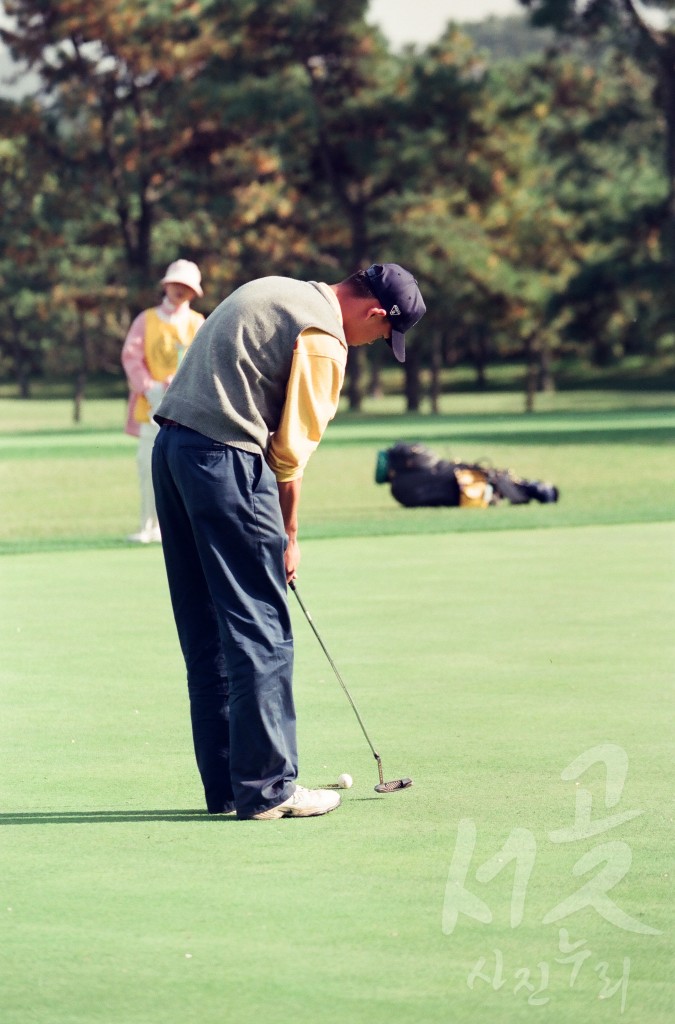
[(146, 440)]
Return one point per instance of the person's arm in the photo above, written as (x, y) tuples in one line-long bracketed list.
[(133, 357), (312, 396), (289, 500)]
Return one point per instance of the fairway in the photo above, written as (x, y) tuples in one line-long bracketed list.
[(488, 652)]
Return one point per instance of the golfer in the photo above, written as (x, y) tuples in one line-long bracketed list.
[(153, 348), (240, 420)]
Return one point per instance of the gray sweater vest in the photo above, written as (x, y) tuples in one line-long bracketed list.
[(231, 384)]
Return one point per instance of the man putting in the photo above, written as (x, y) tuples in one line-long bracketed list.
[(238, 424)]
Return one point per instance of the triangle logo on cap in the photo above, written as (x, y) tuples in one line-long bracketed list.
[(394, 311)]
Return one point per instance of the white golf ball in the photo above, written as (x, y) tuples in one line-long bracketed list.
[(345, 781)]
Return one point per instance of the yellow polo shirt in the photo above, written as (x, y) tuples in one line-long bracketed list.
[(312, 396)]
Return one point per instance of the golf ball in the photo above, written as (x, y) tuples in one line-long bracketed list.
[(345, 781)]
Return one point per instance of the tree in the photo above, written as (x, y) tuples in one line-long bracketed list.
[(598, 147), (111, 77), (636, 29), (30, 243), (258, 138), (445, 158)]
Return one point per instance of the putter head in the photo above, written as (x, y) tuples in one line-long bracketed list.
[(393, 786)]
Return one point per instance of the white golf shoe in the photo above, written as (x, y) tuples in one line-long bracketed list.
[(151, 536), (304, 803)]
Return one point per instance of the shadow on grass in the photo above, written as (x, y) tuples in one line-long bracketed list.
[(124, 817), (69, 544), (639, 434), (108, 817), (66, 430)]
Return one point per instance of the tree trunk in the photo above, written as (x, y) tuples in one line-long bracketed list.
[(413, 389), (21, 371), (81, 375), (436, 363), (375, 389), (531, 375), (479, 353), (22, 379), (355, 379), (667, 76), (546, 380)]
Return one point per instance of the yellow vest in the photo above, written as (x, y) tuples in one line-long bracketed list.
[(165, 345)]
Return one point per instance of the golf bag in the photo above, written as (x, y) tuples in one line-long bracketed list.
[(419, 478)]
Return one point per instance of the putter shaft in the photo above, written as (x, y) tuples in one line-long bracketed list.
[(337, 675), (382, 787)]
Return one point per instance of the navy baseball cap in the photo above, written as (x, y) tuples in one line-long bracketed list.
[(396, 289)]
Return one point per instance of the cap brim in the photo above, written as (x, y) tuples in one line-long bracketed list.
[(172, 280), (398, 345)]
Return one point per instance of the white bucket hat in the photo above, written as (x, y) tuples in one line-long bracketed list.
[(184, 272)]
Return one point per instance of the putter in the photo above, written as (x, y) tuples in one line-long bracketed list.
[(382, 787)]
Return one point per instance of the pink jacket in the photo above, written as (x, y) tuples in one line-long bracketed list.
[(136, 369)]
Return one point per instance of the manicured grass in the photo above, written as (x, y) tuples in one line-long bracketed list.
[(486, 650), (76, 485), (482, 665)]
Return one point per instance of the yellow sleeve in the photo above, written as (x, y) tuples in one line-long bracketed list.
[(312, 395)]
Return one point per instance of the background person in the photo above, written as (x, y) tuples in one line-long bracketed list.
[(152, 351), (242, 417)]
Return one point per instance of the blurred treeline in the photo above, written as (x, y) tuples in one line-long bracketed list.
[(524, 175)]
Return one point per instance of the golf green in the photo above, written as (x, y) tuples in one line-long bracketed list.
[(522, 677)]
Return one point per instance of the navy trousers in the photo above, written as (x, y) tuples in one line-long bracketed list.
[(223, 540)]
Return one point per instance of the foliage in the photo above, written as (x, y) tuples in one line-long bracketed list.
[(621, 299), (526, 193)]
